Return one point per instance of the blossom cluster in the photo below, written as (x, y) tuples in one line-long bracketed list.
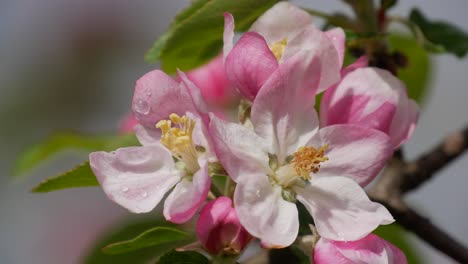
[(280, 153)]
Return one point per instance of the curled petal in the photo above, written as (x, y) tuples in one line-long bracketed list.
[(372, 98), (157, 96), (370, 249), (355, 152), (228, 35), (264, 213), (337, 37), (187, 196), (341, 209), (147, 136), (136, 178), (249, 64), (239, 149), (280, 21)]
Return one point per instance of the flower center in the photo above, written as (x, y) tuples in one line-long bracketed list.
[(278, 48), (307, 160), (178, 139)]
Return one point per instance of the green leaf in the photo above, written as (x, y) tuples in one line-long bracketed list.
[(183, 257), (417, 74), (152, 237), (196, 35), (441, 34), (396, 235), (126, 230), (57, 143), (81, 176)]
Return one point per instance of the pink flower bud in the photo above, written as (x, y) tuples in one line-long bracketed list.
[(370, 249), (219, 229), (373, 98)]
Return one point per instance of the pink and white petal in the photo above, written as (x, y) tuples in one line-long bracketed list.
[(353, 151), (157, 96), (404, 122), (249, 64), (264, 213), (338, 38), (316, 45), (283, 112), (188, 195), (341, 209), (370, 249), (283, 20), (239, 149), (228, 35), (194, 92), (136, 178), (147, 136)]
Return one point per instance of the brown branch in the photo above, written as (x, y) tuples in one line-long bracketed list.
[(400, 176), (417, 172)]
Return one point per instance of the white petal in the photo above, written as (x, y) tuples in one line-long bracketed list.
[(187, 196), (239, 149), (264, 213), (341, 209), (137, 178)]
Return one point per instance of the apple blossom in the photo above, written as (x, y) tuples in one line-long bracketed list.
[(373, 98), (287, 158), (280, 33), (370, 249), (219, 229), (176, 157)]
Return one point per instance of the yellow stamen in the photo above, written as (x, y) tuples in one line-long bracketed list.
[(278, 48), (178, 139), (307, 160)]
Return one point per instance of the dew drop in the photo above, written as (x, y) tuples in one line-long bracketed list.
[(148, 93), (142, 107), (144, 194), (125, 189), (258, 193)]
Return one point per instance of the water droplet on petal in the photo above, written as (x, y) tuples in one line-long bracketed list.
[(148, 93), (258, 193), (144, 194), (142, 107), (125, 189)]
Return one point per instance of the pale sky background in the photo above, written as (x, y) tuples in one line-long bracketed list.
[(42, 41)]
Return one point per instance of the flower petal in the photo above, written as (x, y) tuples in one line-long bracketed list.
[(264, 213), (157, 96), (404, 122), (239, 149), (147, 136), (283, 112), (209, 221), (337, 37), (315, 44), (355, 152), (137, 178), (280, 21), (249, 64), (341, 209), (370, 249), (228, 35), (187, 196)]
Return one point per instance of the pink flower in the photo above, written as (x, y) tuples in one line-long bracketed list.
[(128, 124), (372, 98), (137, 178), (280, 33), (370, 249), (219, 229), (287, 158)]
